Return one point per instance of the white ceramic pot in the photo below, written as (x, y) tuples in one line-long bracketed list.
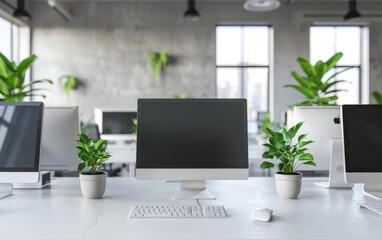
[(288, 185), (93, 186)]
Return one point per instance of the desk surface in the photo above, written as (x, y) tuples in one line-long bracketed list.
[(62, 213)]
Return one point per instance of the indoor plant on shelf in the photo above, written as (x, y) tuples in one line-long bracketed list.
[(92, 155), (291, 155), (12, 80)]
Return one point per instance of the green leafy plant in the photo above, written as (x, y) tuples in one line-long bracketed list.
[(158, 62), (291, 156), (315, 86), (265, 123), (92, 154), (12, 80), (69, 83), (377, 97)]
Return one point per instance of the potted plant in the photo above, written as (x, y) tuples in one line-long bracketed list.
[(291, 155), (92, 155), (69, 83), (12, 80), (315, 86), (158, 62)]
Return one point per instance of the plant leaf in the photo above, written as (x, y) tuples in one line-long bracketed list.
[(14, 80), (306, 66), (302, 136), (6, 67), (82, 166), (309, 93), (333, 60), (310, 163), (24, 65), (295, 129), (304, 143), (306, 156), (266, 165)]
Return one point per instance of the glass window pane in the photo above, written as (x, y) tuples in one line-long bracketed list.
[(256, 91), (351, 96), (228, 45), (322, 43), (256, 45), (5, 39), (228, 83), (348, 41), (15, 43)]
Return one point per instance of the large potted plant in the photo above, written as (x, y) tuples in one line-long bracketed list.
[(92, 155), (290, 154), (316, 86), (12, 80)]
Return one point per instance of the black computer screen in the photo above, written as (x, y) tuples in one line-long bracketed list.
[(118, 122), (192, 133), (20, 136), (362, 129)]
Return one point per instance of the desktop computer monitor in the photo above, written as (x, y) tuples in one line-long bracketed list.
[(20, 137), (115, 121), (362, 133), (322, 124), (61, 127), (192, 140)]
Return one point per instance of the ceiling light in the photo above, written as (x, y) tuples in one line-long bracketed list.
[(191, 14), (353, 13), (261, 5), (20, 11)]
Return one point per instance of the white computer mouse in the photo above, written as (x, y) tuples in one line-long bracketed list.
[(262, 214)]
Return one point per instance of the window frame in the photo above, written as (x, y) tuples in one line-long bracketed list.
[(242, 66), (362, 65)]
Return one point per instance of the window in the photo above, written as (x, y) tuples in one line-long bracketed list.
[(242, 65), (325, 41), (6, 37), (14, 40)]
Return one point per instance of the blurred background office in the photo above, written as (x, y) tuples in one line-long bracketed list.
[(106, 54)]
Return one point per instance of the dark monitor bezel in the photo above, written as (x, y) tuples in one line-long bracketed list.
[(210, 100), (345, 127), (36, 166)]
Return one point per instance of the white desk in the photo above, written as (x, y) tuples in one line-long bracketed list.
[(62, 213)]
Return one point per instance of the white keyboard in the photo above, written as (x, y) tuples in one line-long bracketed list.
[(178, 212), (375, 207)]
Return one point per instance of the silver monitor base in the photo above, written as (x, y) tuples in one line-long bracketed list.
[(193, 190), (5, 189), (374, 191), (337, 170)]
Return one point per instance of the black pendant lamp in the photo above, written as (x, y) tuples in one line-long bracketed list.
[(20, 11), (191, 14), (353, 13)]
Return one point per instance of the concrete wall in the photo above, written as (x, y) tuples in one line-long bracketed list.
[(106, 45)]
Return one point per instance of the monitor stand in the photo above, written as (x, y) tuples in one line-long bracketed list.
[(192, 189), (336, 169), (5, 189), (374, 191)]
